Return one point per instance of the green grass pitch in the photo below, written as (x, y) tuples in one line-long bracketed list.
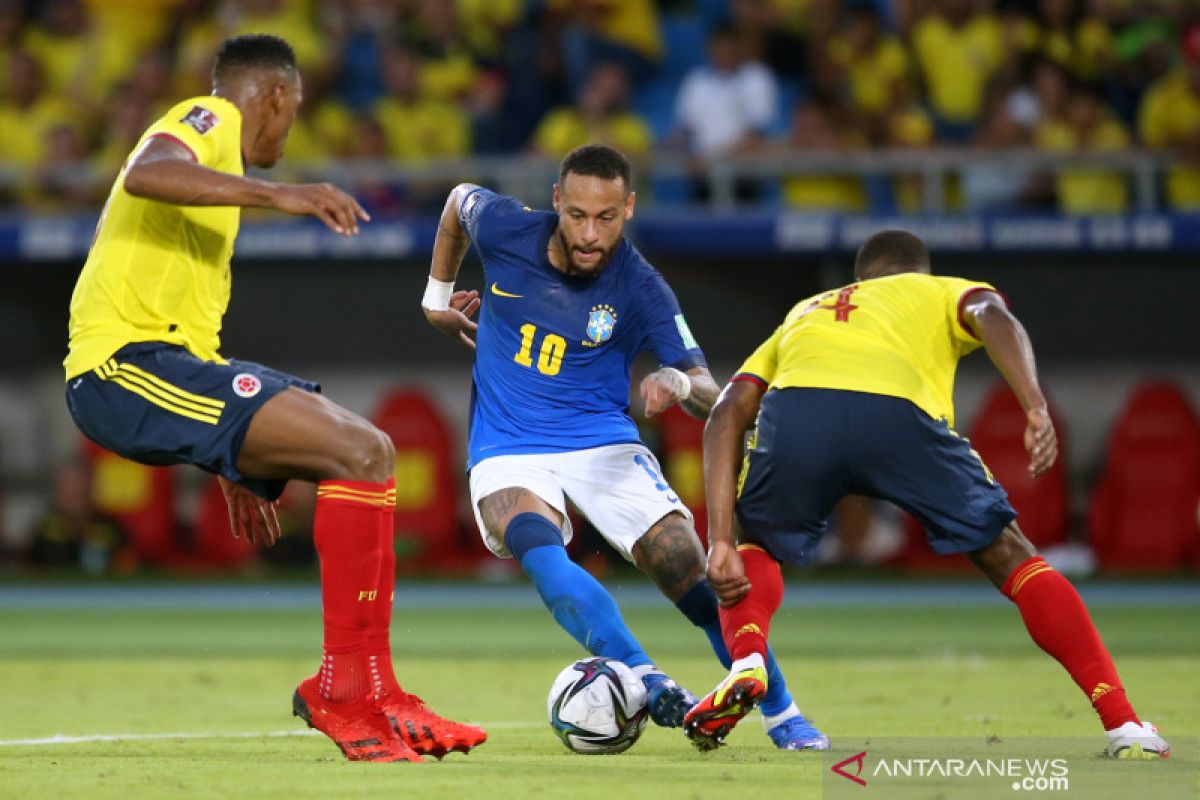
[(967, 672)]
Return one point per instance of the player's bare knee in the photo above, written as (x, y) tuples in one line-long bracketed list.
[(671, 554), (367, 453)]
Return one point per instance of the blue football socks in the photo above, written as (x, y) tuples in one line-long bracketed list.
[(579, 603), (699, 605)]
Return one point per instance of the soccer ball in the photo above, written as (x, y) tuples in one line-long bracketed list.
[(597, 706)]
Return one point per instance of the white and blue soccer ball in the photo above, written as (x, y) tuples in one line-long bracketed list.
[(597, 706)]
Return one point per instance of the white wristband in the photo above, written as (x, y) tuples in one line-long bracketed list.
[(437, 295), (683, 384)]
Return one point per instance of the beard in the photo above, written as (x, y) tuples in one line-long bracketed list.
[(578, 270)]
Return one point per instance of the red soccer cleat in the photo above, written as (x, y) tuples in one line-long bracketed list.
[(426, 732), (711, 720), (358, 728)]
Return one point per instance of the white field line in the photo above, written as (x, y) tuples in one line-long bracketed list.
[(59, 738)]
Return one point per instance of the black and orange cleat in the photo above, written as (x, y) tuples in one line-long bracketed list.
[(358, 728), (426, 732), (711, 720)]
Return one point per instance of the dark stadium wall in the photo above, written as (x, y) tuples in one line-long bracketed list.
[(365, 313)]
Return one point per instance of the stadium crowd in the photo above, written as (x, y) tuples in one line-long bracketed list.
[(410, 81)]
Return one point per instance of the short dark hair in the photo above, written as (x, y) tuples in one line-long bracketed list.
[(890, 252), (253, 51), (597, 160)]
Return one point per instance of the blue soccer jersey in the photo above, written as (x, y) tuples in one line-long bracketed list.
[(554, 352)]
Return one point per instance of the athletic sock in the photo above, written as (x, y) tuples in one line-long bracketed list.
[(1059, 623), (579, 603), (379, 645), (745, 625), (699, 604), (346, 534)]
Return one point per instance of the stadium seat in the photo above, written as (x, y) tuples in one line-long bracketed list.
[(1043, 504), (139, 498), (682, 445), (211, 544), (1143, 513), (998, 435), (427, 480)]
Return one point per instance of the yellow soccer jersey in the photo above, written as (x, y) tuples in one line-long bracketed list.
[(156, 271), (900, 335)]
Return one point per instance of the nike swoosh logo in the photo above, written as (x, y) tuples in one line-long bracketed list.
[(496, 290)]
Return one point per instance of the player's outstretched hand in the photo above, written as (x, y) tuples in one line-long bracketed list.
[(726, 573), (339, 211), (455, 321), (663, 389), (1040, 441), (250, 516)]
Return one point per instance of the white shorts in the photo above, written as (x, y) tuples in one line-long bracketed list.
[(619, 488)]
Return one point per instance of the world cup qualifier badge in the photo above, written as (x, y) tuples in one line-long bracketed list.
[(200, 119), (246, 385), (600, 325)]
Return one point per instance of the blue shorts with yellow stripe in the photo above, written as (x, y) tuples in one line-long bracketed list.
[(815, 446), (158, 404)]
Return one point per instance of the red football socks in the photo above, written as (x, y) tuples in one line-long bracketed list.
[(346, 529), (744, 627), (1059, 623), (379, 646)]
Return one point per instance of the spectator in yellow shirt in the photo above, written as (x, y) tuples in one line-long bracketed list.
[(138, 24), (418, 127), (958, 50), (28, 112), (1170, 120), (626, 31), (873, 64), (449, 71), (62, 180), (290, 20), (130, 116), (77, 60), (1079, 41), (1087, 127), (820, 126), (601, 116)]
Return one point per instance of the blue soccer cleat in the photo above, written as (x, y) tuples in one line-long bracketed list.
[(797, 733), (667, 700)]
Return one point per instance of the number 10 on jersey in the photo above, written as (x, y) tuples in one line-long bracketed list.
[(550, 355)]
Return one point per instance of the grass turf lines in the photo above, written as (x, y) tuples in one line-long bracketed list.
[(225, 678)]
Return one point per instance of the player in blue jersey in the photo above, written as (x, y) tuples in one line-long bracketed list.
[(568, 304)]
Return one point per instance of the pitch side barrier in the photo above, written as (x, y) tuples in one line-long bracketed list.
[(662, 232)]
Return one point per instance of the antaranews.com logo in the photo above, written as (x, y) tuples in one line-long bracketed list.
[(1035, 775), (984, 768)]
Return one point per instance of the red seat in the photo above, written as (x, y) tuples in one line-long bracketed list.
[(683, 462), (140, 498), (428, 474), (213, 545), (1043, 504), (1143, 512), (998, 435)]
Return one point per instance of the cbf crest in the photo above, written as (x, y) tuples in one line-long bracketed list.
[(600, 325)]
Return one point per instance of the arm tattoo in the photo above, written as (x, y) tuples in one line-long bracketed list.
[(704, 393)]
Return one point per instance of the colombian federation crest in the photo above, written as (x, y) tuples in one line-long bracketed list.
[(600, 325)]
